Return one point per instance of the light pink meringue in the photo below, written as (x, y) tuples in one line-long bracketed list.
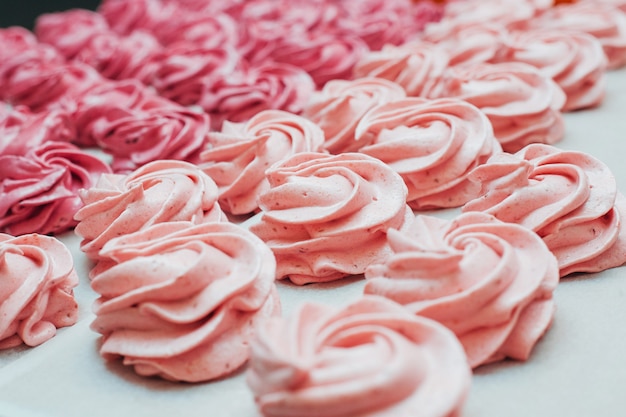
[(602, 20), (40, 188), (568, 198), (181, 300), (240, 154), (339, 106), (510, 14), (36, 295), (574, 60), (318, 205), (432, 144), (160, 191), (370, 358), (523, 105), (488, 281), (416, 66)]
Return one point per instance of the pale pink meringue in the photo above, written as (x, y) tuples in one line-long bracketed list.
[(319, 205), (370, 358), (470, 43), (489, 282), (432, 144), (40, 188), (568, 198), (511, 14), (181, 301), (523, 105), (158, 192), (602, 20), (416, 66), (240, 154), (574, 60), (36, 295), (70, 31), (248, 91), (339, 106)]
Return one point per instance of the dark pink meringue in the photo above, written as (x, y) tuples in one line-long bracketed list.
[(21, 130), (40, 188), (186, 73), (245, 92), (126, 16), (122, 57), (70, 31)]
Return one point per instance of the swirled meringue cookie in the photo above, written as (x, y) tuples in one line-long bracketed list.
[(432, 144), (490, 282), (36, 295), (574, 60), (318, 205), (599, 19), (568, 198), (240, 154), (523, 105), (416, 66), (161, 191), (181, 300), (511, 15), (40, 189), (370, 358), (338, 107)]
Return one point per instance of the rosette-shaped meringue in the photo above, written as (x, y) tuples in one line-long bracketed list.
[(522, 104), (416, 66), (70, 31), (371, 358), (601, 20), (488, 281), (126, 16), (470, 43), (339, 106), (248, 91), (510, 14), (324, 56), (319, 205), (241, 153), (40, 188), (433, 145), (181, 301), (139, 137), (36, 295), (158, 192), (21, 130), (202, 29), (574, 60), (186, 72), (569, 198), (120, 58)]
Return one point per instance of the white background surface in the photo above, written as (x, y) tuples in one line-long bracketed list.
[(577, 370)]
